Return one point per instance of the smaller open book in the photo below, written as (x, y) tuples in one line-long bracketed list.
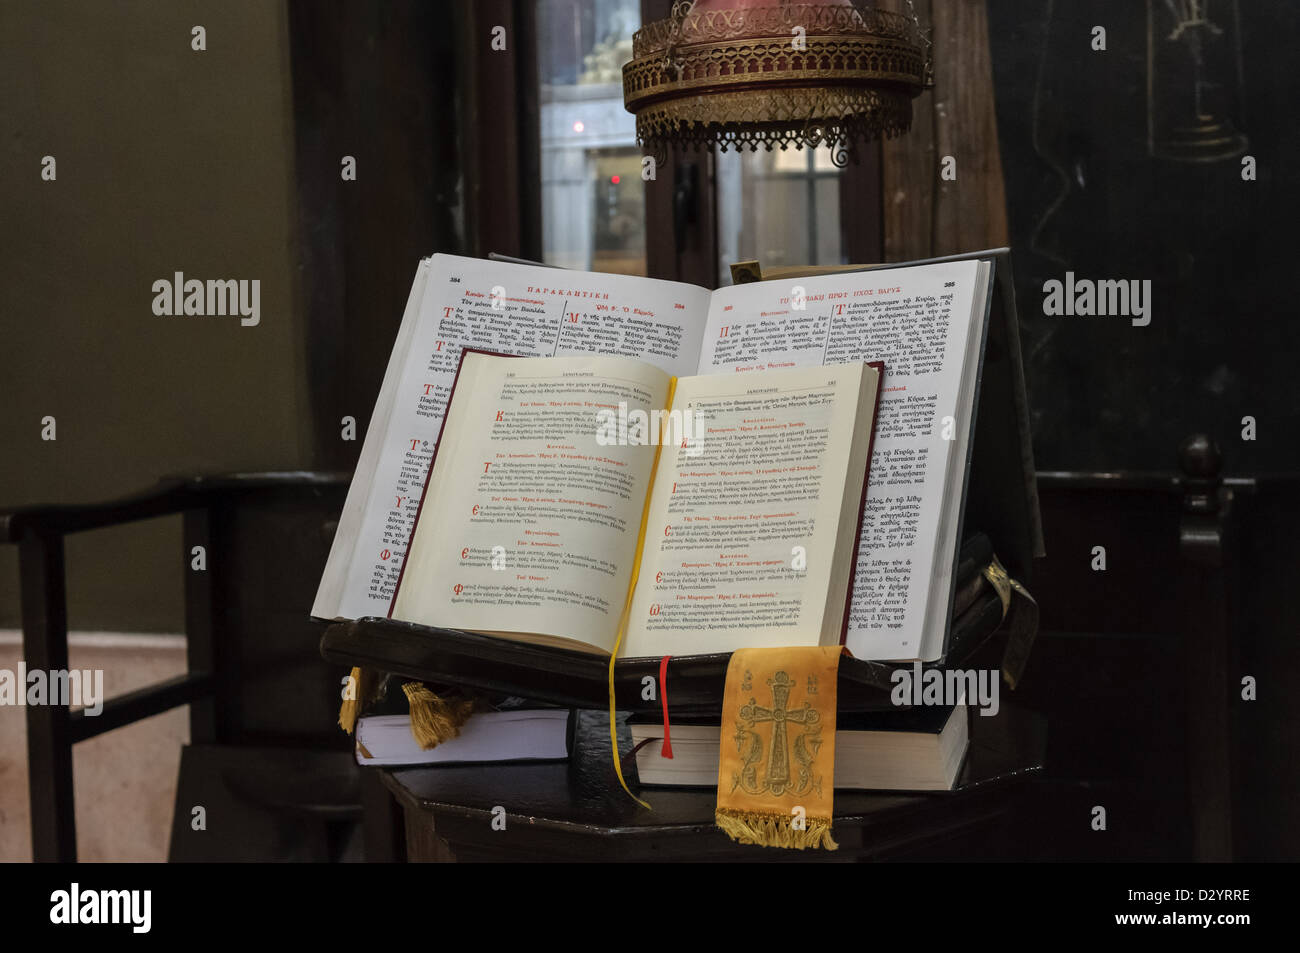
[(568, 495)]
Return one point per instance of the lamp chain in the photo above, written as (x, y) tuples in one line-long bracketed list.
[(681, 9), (929, 45)]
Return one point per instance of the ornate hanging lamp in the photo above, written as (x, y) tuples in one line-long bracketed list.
[(745, 73)]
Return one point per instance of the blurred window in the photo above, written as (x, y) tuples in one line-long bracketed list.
[(780, 207), (593, 199)]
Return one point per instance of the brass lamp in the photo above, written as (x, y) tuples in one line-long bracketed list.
[(744, 73)]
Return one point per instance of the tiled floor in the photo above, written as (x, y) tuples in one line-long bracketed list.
[(126, 779)]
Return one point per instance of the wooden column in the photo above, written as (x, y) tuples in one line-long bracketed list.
[(926, 215), (502, 158)]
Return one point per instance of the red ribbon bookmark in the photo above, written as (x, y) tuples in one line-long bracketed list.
[(667, 750)]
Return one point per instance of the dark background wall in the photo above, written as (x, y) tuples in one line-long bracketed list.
[(1084, 194), (1115, 667), (168, 160), (384, 84), (224, 163)]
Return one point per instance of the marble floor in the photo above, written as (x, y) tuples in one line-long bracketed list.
[(126, 779)]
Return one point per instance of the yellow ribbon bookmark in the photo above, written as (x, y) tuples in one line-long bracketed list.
[(627, 603)]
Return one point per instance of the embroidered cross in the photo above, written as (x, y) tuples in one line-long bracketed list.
[(777, 778)]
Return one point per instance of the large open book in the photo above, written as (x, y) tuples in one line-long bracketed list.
[(926, 323), (549, 469)]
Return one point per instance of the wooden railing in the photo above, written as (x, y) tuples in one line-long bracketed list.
[(52, 729)]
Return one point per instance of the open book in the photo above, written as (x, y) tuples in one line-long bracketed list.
[(549, 469), (925, 323)]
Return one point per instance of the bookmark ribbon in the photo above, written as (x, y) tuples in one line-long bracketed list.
[(627, 603), (776, 773), (667, 750)]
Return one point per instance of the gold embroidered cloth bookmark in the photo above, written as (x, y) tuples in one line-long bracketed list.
[(776, 779)]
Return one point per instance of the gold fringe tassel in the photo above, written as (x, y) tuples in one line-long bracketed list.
[(775, 830), (364, 685), (433, 719)]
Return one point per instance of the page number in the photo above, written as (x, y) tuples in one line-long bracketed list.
[(949, 284)]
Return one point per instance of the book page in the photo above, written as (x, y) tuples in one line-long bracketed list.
[(919, 322), (747, 526), (333, 583), (530, 520), (534, 311)]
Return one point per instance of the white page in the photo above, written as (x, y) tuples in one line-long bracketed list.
[(520, 469), (772, 471), (531, 735), (544, 311), (918, 321), (333, 579)]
